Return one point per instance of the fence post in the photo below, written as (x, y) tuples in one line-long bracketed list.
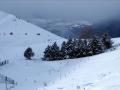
[(6, 83)]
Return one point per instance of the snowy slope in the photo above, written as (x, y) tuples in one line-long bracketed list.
[(13, 46), (9, 23), (100, 72)]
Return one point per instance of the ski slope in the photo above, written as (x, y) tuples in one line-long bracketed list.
[(99, 72)]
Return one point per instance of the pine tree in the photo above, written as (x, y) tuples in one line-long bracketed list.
[(28, 53), (55, 52), (52, 52), (82, 49), (74, 48), (89, 49), (106, 40), (69, 48), (96, 46), (47, 53), (77, 48), (63, 51)]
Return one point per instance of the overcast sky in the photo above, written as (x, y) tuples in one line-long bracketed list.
[(90, 10)]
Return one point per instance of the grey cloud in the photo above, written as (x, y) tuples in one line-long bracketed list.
[(93, 10)]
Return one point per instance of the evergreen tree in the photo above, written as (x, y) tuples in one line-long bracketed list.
[(89, 49), (96, 46), (106, 40), (52, 52), (55, 52), (47, 53), (69, 48), (63, 51), (76, 48), (82, 48), (28, 53)]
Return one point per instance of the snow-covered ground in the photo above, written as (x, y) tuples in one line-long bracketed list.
[(99, 72)]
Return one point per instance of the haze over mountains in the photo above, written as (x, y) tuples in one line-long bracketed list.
[(56, 16)]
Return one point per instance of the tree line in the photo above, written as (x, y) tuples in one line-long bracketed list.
[(74, 48)]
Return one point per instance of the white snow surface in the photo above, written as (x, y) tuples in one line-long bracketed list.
[(99, 72)]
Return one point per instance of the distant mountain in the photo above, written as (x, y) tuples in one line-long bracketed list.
[(60, 27), (110, 26), (72, 29)]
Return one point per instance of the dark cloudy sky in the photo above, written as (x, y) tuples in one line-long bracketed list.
[(90, 10)]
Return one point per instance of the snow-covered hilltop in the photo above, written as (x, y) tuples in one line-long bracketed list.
[(9, 23), (23, 33), (15, 36), (99, 72)]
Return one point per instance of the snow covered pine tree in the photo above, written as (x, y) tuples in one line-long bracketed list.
[(28, 53), (55, 51), (106, 40), (63, 51), (52, 53), (47, 53), (96, 46)]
